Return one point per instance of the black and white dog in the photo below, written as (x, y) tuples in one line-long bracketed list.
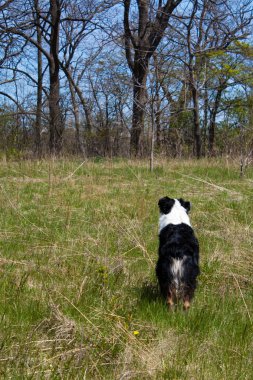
[(178, 262)]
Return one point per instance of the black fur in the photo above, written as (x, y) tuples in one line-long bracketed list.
[(185, 204), (177, 242), (165, 204)]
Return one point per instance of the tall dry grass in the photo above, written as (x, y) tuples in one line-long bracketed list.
[(79, 298)]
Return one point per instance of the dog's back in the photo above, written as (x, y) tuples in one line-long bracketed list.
[(177, 267)]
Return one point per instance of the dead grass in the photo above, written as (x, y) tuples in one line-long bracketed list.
[(77, 256)]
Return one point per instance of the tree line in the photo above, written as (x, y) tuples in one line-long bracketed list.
[(126, 78)]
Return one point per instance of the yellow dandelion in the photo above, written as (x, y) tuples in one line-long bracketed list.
[(136, 332)]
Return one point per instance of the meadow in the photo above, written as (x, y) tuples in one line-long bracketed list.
[(78, 293)]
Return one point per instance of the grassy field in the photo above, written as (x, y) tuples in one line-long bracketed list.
[(78, 293)]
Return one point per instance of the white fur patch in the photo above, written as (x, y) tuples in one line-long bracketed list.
[(177, 270), (177, 215)]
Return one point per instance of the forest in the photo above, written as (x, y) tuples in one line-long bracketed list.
[(126, 78)]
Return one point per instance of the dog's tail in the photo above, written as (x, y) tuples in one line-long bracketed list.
[(185, 271), (177, 269)]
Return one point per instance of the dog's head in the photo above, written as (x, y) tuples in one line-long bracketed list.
[(173, 211), (166, 205)]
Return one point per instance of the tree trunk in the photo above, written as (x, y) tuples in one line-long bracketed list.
[(55, 122), (37, 131), (205, 119), (56, 126), (87, 112), (152, 144), (196, 121), (139, 102), (75, 109), (214, 111), (107, 137), (211, 133), (196, 118), (157, 104), (140, 46), (158, 124)]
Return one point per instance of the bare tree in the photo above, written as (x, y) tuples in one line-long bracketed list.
[(56, 126), (141, 41), (69, 54), (38, 121), (79, 22), (22, 20), (209, 27)]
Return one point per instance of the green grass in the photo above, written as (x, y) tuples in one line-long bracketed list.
[(78, 247)]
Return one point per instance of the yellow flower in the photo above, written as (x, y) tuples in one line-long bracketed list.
[(136, 332)]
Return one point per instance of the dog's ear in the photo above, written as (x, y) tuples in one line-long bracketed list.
[(185, 204), (165, 204)]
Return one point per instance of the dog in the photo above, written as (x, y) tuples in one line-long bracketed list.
[(178, 255)]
